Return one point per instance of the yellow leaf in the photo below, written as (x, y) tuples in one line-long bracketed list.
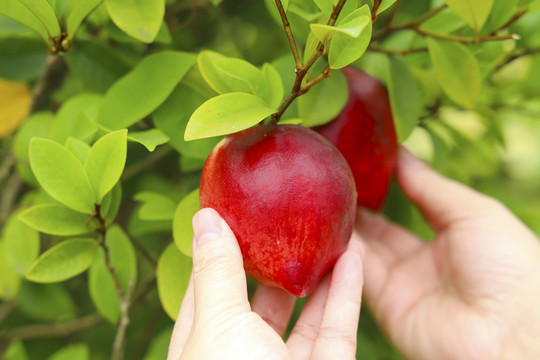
[(15, 101)]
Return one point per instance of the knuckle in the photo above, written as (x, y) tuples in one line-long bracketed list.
[(213, 259), (338, 336), (307, 331)]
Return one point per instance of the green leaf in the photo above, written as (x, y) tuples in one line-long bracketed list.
[(182, 228), (78, 148), (15, 10), (105, 162), (473, 12), (9, 281), (63, 261), (61, 175), (155, 206), (101, 284), (45, 14), (326, 6), (345, 49), (384, 5), (272, 91), (216, 2), (111, 203), (23, 59), (129, 100), (16, 351), (96, 65), (72, 352), (140, 19), (324, 101), (159, 348), (79, 9), (173, 272), (150, 139), (457, 71), (45, 302), (57, 220), (404, 97), (36, 125), (73, 119), (21, 244), (172, 118), (226, 114)]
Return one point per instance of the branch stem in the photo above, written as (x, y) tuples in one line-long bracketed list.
[(303, 69), (288, 32)]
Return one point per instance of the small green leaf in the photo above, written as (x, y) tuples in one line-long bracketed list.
[(105, 162), (150, 139), (21, 244), (45, 302), (61, 175), (111, 203), (15, 10), (226, 114), (72, 352), (139, 19), (123, 260), (173, 273), (129, 100), (9, 281), (182, 228), (216, 2), (71, 120), (155, 206), (16, 351), (159, 347), (473, 12), (384, 5), (345, 49), (457, 71), (78, 148), (45, 14), (272, 91), (95, 65), (57, 220), (172, 118), (324, 101), (63, 261), (78, 10), (36, 125), (239, 75), (326, 6), (404, 97)]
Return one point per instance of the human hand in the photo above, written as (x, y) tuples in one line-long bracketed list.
[(472, 293), (216, 320)]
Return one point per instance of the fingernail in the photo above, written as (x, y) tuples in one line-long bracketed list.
[(206, 226)]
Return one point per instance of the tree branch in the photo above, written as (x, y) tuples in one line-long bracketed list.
[(50, 330), (303, 70), (6, 308), (119, 340), (289, 33), (52, 79)]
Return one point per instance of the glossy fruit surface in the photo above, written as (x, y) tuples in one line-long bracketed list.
[(289, 197), (364, 133)]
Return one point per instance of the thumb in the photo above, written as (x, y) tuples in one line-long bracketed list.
[(219, 280), (441, 200)]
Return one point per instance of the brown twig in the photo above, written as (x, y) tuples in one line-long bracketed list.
[(290, 36), (124, 297), (376, 48), (6, 308), (53, 77), (302, 71), (50, 330)]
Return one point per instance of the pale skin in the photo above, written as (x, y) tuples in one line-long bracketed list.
[(471, 293)]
